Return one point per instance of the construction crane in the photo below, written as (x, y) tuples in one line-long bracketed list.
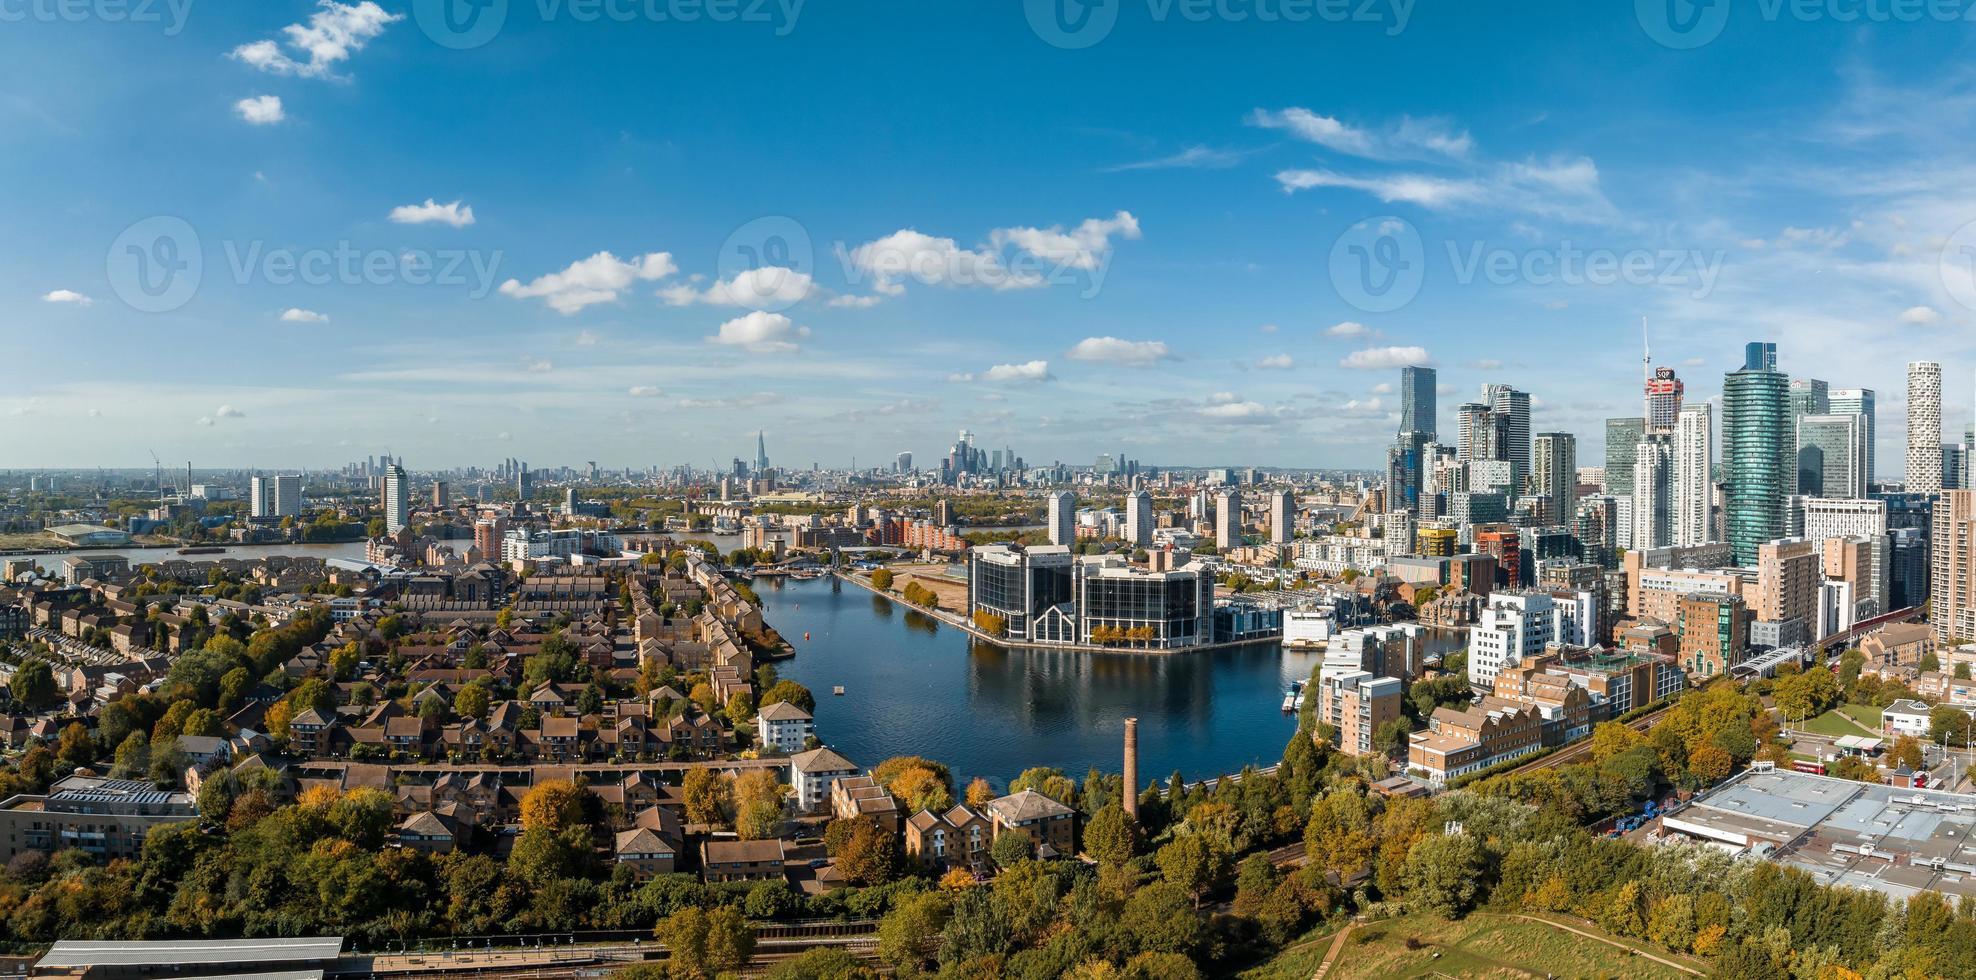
[(158, 468)]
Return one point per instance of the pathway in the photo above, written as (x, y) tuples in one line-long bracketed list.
[(1635, 950), (1331, 955)]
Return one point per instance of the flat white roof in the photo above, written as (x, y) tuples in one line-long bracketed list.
[(190, 952)]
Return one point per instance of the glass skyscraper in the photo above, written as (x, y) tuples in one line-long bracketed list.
[(1858, 401), (1757, 451), (1417, 401)]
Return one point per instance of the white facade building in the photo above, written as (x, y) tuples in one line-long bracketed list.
[(1924, 427), (1693, 459)]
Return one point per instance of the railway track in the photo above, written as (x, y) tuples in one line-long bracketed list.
[(1583, 747)]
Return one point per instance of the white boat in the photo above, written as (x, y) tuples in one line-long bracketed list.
[(1293, 698)]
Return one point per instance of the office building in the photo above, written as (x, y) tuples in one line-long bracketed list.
[(1512, 626), (1063, 518), (1828, 517), (1756, 451), (1831, 456), (1924, 428), (1554, 466), (902, 463), (1029, 589), (1139, 519), (1808, 396), (397, 500), (1418, 401), (1714, 633), (1621, 435), (1045, 596), (1858, 401), (1952, 607), (105, 818)]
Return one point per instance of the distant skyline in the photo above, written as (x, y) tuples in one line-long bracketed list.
[(563, 243)]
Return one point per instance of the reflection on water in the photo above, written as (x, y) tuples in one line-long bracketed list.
[(913, 687)]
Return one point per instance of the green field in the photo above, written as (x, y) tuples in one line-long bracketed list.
[(1831, 725), (1482, 945)]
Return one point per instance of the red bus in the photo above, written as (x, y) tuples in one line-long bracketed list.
[(1804, 765)]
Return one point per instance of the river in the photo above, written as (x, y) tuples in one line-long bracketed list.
[(915, 687)]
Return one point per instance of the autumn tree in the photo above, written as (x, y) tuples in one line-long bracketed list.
[(708, 797), (758, 804)]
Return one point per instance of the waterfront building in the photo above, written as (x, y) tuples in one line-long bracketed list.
[(1756, 450), (1512, 626), (784, 727), (1355, 705), (274, 497), (1042, 595)]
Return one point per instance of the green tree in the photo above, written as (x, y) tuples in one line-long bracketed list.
[(1112, 836), (871, 856), (791, 692), (1441, 872), (471, 702), (33, 685), (1011, 848), (1190, 863), (909, 935)]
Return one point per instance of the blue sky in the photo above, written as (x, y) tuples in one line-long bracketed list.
[(1152, 244)]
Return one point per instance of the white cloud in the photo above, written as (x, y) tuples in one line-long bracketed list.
[(334, 32), (766, 288), (1192, 158), (261, 110), (1078, 248), (296, 314), (538, 365), (1565, 189), (1112, 350), (206, 420), (1384, 358), (229, 412), (1407, 138), (597, 279), (1277, 362), (1227, 411), (645, 391), (586, 338), (432, 212), (1920, 315), (761, 332), (856, 302), (69, 296), (1000, 373), (1383, 388), (910, 254), (1349, 328), (1267, 328)]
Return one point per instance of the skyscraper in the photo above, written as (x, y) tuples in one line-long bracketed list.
[(1063, 518), (1653, 492), (1621, 435), (397, 500), (1554, 466), (1417, 401), (1694, 457), (1282, 517), (1809, 396), (1139, 519), (1514, 407), (1664, 393), (1924, 427), (1951, 608), (1228, 520), (274, 496), (1831, 458), (1756, 450), (1858, 401)]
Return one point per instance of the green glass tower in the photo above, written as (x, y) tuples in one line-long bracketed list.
[(1757, 451)]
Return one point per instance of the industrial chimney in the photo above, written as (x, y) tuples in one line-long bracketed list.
[(1132, 767)]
